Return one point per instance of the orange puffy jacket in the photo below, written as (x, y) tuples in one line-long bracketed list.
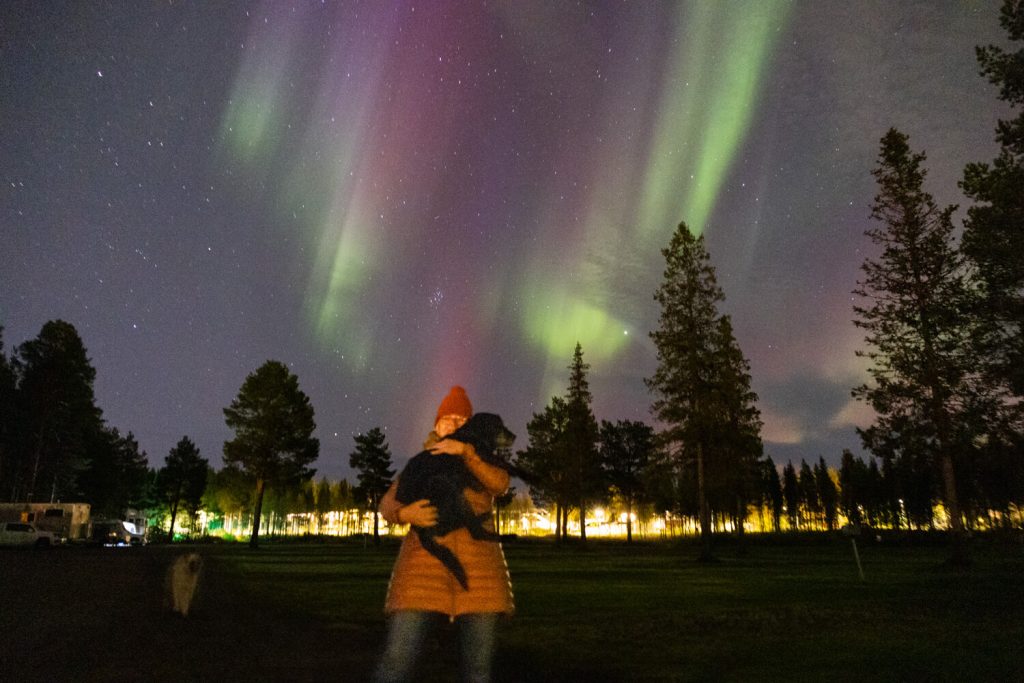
[(419, 581)]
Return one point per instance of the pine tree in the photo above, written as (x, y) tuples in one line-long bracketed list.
[(372, 461), (182, 479), (919, 329), (273, 422), (702, 382), (994, 230)]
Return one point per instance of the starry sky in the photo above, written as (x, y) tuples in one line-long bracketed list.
[(394, 197)]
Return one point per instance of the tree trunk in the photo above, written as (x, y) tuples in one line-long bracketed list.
[(583, 522), (629, 520), (35, 470), (559, 523), (959, 557), (257, 511), (174, 512), (705, 512), (376, 524)]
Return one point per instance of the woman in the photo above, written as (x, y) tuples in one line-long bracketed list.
[(422, 588)]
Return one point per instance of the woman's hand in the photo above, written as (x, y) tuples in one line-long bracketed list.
[(448, 447), (420, 513)]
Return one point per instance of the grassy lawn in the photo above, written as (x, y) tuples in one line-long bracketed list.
[(779, 610)]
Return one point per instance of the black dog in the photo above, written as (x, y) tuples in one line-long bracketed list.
[(442, 478)]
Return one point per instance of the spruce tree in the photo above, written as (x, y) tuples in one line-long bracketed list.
[(809, 492), (581, 437), (772, 492), (59, 413), (852, 478), (372, 462), (738, 442), (9, 422), (116, 476), (791, 493), (828, 495)]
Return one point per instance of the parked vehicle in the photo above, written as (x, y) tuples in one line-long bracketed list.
[(116, 532), (67, 521), (24, 534)]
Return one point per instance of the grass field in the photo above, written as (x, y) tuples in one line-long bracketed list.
[(780, 610)]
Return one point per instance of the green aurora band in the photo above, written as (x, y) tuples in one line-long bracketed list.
[(705, 104)]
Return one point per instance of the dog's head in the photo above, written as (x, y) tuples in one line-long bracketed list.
[(486, 432)]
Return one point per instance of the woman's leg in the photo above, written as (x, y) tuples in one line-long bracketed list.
[(406, 630), (476, 645)]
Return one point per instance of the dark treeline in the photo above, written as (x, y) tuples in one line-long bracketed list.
[(54, 443), (623, 466)]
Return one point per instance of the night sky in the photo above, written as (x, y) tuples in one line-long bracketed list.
[(392, 198)]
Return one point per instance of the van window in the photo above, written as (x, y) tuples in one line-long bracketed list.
[(54, 512)]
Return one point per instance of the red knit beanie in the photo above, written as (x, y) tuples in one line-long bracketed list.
[(455, 403)]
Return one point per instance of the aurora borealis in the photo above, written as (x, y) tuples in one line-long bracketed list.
[(393, 197)]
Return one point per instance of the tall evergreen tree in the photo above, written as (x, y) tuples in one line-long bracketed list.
[(700, 396), (924, 378), (738, 441), (581, 437), (182, 479), (9, 421), (828, 495), (323, 503), (544, 462), (791, 492), (627, 453), (372, 461), (994, 230), (273, 422), (772, 492), (59, 413), (852, 479), (809, 492), (116, 476), (883, 500)]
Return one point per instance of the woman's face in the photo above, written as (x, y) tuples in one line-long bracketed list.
[(446, 424)]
